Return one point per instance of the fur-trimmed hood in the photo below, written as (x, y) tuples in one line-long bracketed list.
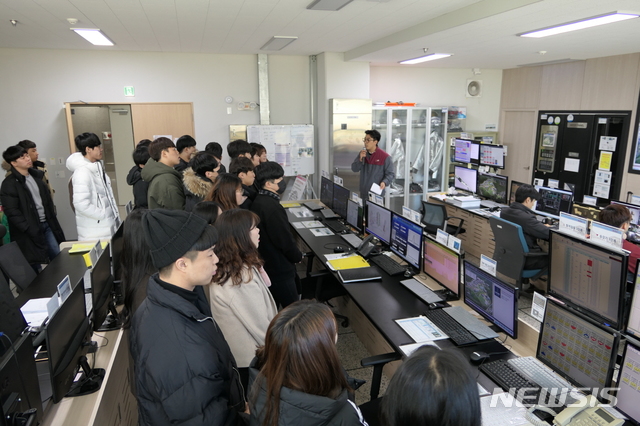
[(195, 184)]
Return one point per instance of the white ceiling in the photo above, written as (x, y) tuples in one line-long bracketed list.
[(479, 33)]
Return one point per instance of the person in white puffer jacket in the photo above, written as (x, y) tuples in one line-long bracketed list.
[(93, 200)]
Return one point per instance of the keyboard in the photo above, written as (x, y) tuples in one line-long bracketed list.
[(450, 327), (336, 226), (480, 330), (353, 240), (420, 290), (388, 265), (528, 372), (312, 205)]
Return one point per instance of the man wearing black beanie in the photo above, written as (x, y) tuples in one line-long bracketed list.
[(185, 372)]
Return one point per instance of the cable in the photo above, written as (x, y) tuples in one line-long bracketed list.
[(103, 337)]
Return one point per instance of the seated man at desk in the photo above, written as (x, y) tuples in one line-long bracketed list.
[(520, 213)]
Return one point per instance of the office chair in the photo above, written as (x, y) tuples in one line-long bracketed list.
[(371, 409), (511, 252), (434, 217), (15, 266), (322, 286)]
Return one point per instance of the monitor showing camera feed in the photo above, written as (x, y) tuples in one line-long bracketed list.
[(553, 201), (493, 187), (340, 198), (589, 277), (442, 264), (628, 382), (466, 151), (633, 324), (512, 193), (495, 300), (406, 239), (326, 192), (633, 234), (492, 156), (355, 214), (379, 222), (465, 179), (575, 348)]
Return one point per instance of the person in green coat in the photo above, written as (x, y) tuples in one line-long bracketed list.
[(165, 183)]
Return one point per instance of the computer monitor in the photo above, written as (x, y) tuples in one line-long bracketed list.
[(633, 324), (495, 300), (465, 179), (101, 294), (116, 244), (466, 151), (589, 277), (585, 210), (443, 265), (12, 322), (355, 214), (406, 239), (634, 227), (340, 198), (326, 192), (493, 187), (512, 193), (577, 349), (492, 156), (553, 201), (19, 386), (379, 222), (628, 380)]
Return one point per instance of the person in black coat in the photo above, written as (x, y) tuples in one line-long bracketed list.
[(277, 245), (519, 212), (27, 202), (134, 178), (245, 170), (185, 373)]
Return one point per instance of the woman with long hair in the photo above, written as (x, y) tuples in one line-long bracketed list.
[(300, 379), (208, 210), (240, 299), (227, 191)]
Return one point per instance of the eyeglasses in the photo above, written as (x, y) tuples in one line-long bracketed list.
[(368, 140)]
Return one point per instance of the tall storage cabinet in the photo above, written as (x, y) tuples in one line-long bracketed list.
[(415, 138)]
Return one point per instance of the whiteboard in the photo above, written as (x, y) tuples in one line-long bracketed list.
[(291, 146)]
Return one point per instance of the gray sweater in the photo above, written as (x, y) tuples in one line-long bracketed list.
[(374, 168)]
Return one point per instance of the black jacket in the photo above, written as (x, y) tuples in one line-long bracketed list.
[(185, 372), (532, 229), (140, 187), (277, 245), (181, 166), (24, 223)]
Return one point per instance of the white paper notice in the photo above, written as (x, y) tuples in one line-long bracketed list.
[(321, 232), (571, 165), (488, 265), (421, 329), (375, 188), (601, 190), (635, 199), (608, 143), (538, 306), (538, 182), (603, 176), (553, 183)]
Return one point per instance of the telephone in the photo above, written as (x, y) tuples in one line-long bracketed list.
[(587, 413), (366, 247)]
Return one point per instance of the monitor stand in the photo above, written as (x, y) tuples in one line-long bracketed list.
[(90, 380), (112, 322)]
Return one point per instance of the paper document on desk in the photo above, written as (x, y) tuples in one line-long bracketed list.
[(312, 224), (321, 232), (35, 312), (412, 347), (301, 212), (421, 329)]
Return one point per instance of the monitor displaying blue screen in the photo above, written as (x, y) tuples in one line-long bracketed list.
[(340, 198), (406, 239), (379, 222), (466, 151)]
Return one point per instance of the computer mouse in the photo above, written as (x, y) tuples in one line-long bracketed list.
[(408, 273), (338, 249), (548, 221), (436, 305), (478, 357)]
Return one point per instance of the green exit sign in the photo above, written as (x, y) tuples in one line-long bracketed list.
[(129, 91)]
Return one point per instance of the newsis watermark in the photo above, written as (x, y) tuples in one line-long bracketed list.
[(554, 397)]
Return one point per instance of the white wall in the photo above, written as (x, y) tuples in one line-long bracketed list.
[(440, 87), (35, 83)]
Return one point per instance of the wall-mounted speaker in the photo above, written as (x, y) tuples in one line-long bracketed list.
[(474, 88)]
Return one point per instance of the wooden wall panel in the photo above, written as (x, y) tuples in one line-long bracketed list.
[(561, 86), (175, 119), (519, 134), (609, 83), (521, 88)]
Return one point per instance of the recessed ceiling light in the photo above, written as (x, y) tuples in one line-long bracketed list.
[(328, 4), (93, 36), (278, 42), (579, 25), (431, 57)]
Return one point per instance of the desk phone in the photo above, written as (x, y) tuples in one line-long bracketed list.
[(588, 414)]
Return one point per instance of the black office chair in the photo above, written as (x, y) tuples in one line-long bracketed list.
[(511, 252), (371, 409), (15, 266), (322, 286), (434, 217)]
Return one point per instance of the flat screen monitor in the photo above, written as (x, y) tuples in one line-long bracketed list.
[(443, 265), (101, 288), (340, 198), (512, 193), (634, 227), (117, 241), (628, 380), (66, 332), (466, 151), (465, 179), (379, 222), (326, 192), (493, 187), (586, 211), (492, 156), (406, 239), (495, 300), (355, 214), (577, 349), (553, 201), (588, 277), (633, 324), (12, 322)]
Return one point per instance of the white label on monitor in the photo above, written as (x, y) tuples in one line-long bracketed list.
[(454, 243), (442, 237), (325, 174), (412, 215), (378, 199), (553, 183), (635, 199), (538, 306), (337, 179), (573, 225), (356, 198), (606, 235), (488, 265), (64, 289), (588, 199)]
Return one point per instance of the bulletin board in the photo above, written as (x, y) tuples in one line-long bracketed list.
[(291, 146)]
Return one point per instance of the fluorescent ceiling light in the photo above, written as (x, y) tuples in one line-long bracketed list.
[(579, 25), (431, 57), (93, 36), (278, 42), (328, 4)]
